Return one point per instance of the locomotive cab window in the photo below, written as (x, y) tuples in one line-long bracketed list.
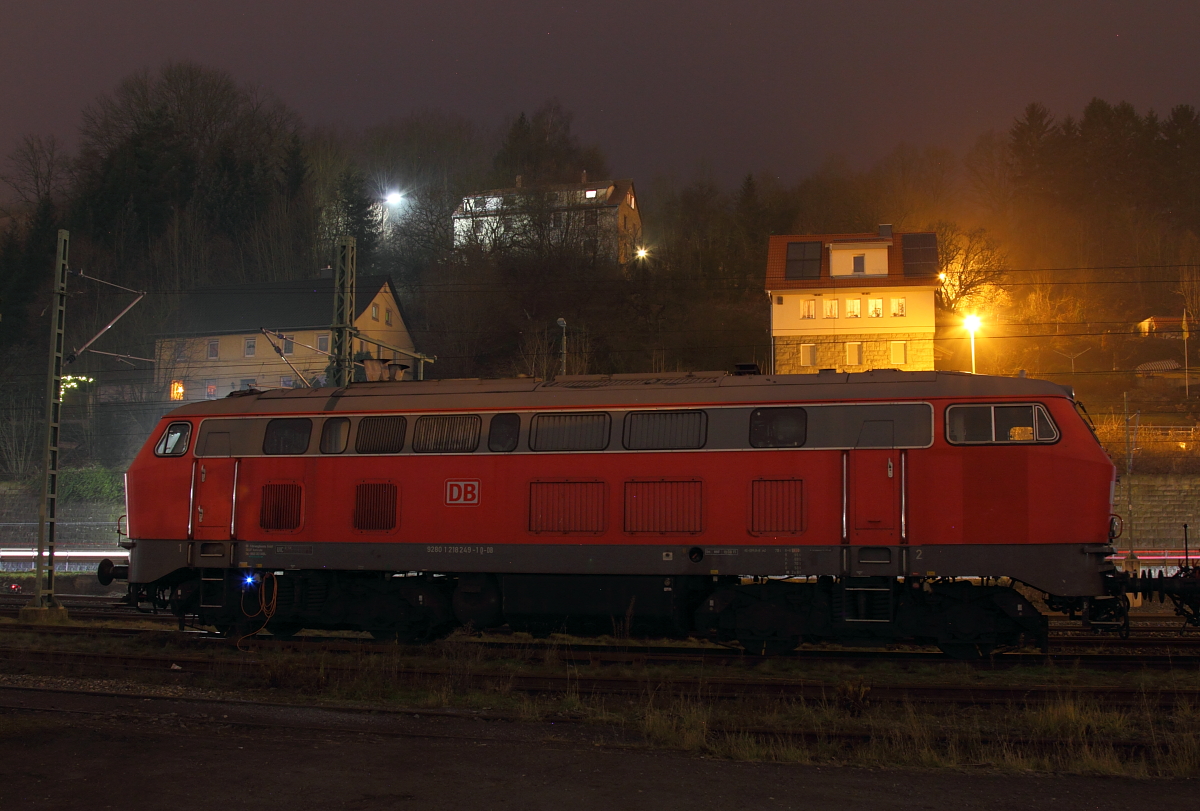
[(999, 425), (504, 432), (778, 427), (335, 434), (174, 440), (287, 436)]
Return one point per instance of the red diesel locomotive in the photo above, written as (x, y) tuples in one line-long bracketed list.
[(766, 509)]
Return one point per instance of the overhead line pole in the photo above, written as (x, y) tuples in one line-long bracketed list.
[(342, 349), (45, 605)]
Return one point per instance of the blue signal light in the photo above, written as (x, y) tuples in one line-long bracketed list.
[(250, 581)]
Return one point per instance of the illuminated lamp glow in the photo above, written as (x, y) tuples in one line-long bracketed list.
[(394, 198)]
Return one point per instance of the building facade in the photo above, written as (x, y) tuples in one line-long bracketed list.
[(600, 220), (852, 302), (219, 346)]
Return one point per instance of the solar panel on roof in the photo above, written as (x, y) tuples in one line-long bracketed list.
[(803, 260), (920, 254)]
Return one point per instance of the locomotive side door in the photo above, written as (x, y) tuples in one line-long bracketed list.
[(213, 483), (873, 484)]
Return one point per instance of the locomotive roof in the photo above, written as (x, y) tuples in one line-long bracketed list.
[(615, 391)]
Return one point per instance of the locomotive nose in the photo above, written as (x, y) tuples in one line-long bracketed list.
[(108, 571)]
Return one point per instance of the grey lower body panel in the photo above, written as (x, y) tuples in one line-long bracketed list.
[(1061, 569)]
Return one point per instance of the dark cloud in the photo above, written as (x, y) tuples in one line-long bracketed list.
[(662, 86)]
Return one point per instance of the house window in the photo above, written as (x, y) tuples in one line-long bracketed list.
[(853, 308), (808, 354), (899, 353), (803, 260), (875, 308), (898, 308), (632, 202), (251, 346), (289, 344), (287, 383), (808, 308), (176, 389), (831, 308), (323, 342), (214, 350), (477, 227), (248, 383), (590, 218), (374, 312), (387, 316), (854, 353), (180, 350), (860, 263), (590, 193), (210, 389)]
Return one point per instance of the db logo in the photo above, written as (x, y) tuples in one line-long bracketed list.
[(462, 492)]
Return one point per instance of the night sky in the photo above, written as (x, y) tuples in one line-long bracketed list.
[(663, 87)]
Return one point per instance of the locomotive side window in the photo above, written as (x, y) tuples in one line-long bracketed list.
[(335, 434), (503, 433), (1014, 423), (1047, 431), (778, 427), (174, 440), (380, 435), (969, 424), (570, 432), (665, 430), (287, 436), (457, 433), (999, 424)]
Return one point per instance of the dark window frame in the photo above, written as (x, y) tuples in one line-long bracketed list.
[(160, 446), (495, 446), (325, 429), (762, 441), (281, 423), (1040, 413)]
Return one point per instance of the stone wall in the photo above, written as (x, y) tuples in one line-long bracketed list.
[(1161, 505), (831, 352)]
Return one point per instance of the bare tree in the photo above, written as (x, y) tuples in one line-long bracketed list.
[(37, 169), (20, 431), (973, 269)]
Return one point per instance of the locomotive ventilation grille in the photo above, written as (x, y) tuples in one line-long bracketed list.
[(281, 506), (375, 506), (448, 434), (664, 506), (777, 506), (380, 435), (566, 507)]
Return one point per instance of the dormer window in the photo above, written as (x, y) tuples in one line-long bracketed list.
[(590, 193), (860, 263)]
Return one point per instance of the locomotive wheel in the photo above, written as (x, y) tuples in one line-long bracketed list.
[(966, 651), (775, 646)]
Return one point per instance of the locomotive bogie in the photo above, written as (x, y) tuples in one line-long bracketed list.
[(630, 506)]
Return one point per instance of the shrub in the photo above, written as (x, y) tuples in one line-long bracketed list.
[(92, 483)]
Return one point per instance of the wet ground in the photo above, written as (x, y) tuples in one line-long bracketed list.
[(98, 751)]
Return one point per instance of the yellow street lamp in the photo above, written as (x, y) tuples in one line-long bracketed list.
[(972, 323), (642, 253)]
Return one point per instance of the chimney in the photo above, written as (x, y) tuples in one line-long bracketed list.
[(885, 230), (518, 181), (583, 177)]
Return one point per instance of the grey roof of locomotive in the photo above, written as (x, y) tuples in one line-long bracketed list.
[(616, 391)]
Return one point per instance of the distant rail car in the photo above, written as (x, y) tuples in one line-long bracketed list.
[(65, 560), (763, 509)]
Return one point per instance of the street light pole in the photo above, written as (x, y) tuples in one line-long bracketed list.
[(971, 322), (563, 323)]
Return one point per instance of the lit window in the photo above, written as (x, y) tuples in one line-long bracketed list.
[(176, 389), (289, 344), (251, 346), (875, 308), (860, 263), (897, 308), (323, 343), (854, 353), (632, 202), (808, 308), (387, 316), (286, 383), (374, 312), (808, 354), (831, 308), (853, 308), (210, 389), (899, 353), (590, 193), (214, 350)]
